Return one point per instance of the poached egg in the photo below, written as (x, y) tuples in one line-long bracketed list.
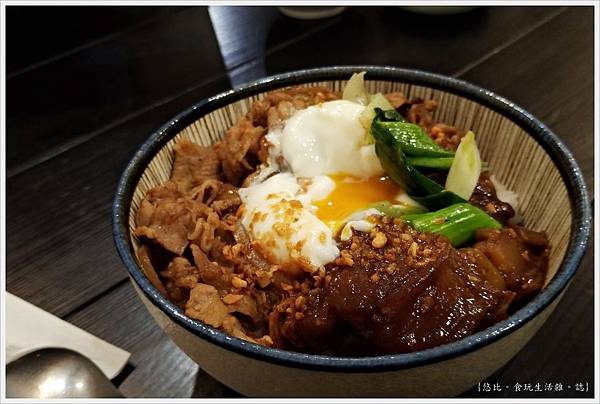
[(327, 178), (326, 139)]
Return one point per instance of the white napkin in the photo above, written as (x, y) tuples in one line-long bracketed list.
[(29, 328)]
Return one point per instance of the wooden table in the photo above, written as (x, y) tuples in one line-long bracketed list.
[(85, 86)]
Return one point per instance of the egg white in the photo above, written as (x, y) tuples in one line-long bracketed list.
[(311, 147), (278, 214), (326, 139)]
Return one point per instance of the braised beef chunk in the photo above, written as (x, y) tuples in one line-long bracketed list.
[(521, 256), (484, 197), (313, 330), (414, 292), (390, 290)]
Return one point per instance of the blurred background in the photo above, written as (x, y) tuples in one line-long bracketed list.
[(86, 85)]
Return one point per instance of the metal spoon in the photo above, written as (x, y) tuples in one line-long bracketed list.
[(57, 373)]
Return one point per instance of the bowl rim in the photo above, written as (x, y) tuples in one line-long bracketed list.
[(553, 146)]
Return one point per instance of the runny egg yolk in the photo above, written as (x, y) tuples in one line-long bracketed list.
[(352, 194)]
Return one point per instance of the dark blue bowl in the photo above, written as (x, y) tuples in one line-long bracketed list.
[(558, 152)]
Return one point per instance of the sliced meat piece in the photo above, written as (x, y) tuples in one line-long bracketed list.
[(146, 210), (173, 219), (261, 149), (143, 254), (315, 328), (243, 304), (396, 99), (420, 112), (533, 239), (232, 326), (176, 294), (193, 165), (484, 276), (207, 191), (258, 112), (351, 296), (205, 305), (446, 136), (182, 273), (210, 272), (233, 150), (207, 221), (451, 307), (283, 103), (166, 220), (275, 325), (482, 268), (227, 199)]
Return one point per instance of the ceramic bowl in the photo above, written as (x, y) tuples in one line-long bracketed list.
[(521, 152)]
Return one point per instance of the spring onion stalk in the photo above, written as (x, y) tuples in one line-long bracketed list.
[(420, 188), (397, 209), (389, 149), (457, 222), (441, 163), (355, 89), (413, 140), (389, 115), (402, 147), (466, 168)]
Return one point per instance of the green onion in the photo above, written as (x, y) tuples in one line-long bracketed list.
[(413, 140), (402, 147), (442, 163), (390, 151), (466, 168), (457, 222), (398, 209)]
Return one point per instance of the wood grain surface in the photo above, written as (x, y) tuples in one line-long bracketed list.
[(77, 110)]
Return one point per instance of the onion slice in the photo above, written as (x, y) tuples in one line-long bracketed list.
[(242, 237), (355, 89), (466, 168)]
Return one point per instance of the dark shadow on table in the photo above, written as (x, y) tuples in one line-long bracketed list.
[(208, 387), (341, 41)]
